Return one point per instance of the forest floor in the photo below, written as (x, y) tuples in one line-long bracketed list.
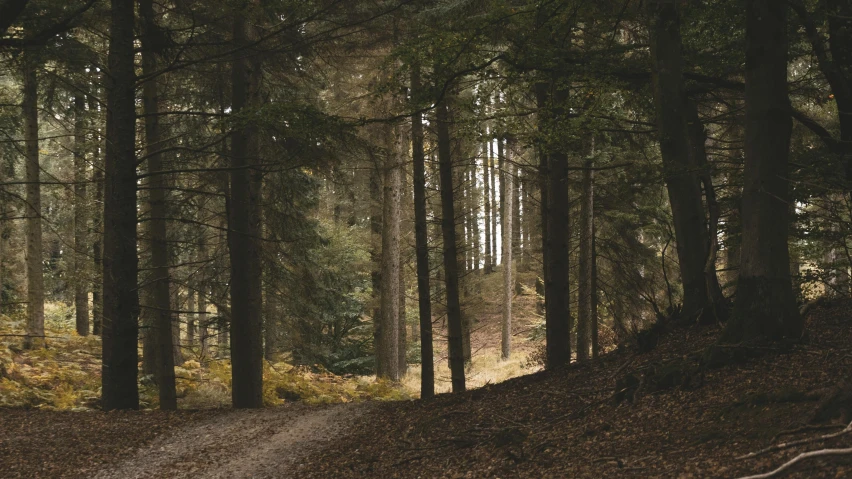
[(566, 423), (560, 424)]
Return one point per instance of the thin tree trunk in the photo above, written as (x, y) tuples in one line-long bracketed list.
[(402, 335), (584, 295), (448, 229), (486, 169), (594, 293), (765, 305), (389, 352), (203, 330), (81, 283), (516, 200), (245, 230), (97, 228), (270, 324), (697, 139), (421, 241), (160, 308), (121, 301), (35, 268), (506, 193), (528, 220), (492, 177), (376, 263), (191, 324)]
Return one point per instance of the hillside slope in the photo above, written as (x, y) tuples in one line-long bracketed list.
[(567, 423)]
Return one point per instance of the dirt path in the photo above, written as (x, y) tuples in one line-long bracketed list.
[(240, 444)]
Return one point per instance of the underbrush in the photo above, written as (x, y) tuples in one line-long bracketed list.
[(66, 375)]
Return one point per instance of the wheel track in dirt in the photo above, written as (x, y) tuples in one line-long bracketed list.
[(266, 443)]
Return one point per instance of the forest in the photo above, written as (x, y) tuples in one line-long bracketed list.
[(426, 238)]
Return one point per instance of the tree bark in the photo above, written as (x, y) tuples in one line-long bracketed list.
[(682, 181), (245, 229), (556, 233), (388, 355), (376, 202), (486, 167), (81, 276), (97, 228), (586, 260), (159, 289), (121, 301), (448, 230), (765, 305), (35, 268), (494, 211), (421, 241), (507, 213)]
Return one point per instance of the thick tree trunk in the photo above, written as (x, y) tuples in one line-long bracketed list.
[(448, 230), (507, 193), (682, 181), (159, 294), (388, 355), (35, 267), (765, 306), (421, 241), (81, 276), (585, 269), (556, 233), (121, 301), (245, 230)]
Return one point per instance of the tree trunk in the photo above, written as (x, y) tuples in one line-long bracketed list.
[(507, 213), (97, 228), (494, 211), (203, 326), (717, 312), (245, 230), (556, 237), (486, 167), (448, 230), (516, 199), (528, 220), (376, 199), (270, 325), (121, 301), (586, 261), (421, 241), (765, 305), (388, 355), (81, 276), (682, 181), (160, 308), (35, 267), (403, 143), (594, 293)]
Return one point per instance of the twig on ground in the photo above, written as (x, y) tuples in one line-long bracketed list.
[(802, 429), (787, 445), (799, 458)]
